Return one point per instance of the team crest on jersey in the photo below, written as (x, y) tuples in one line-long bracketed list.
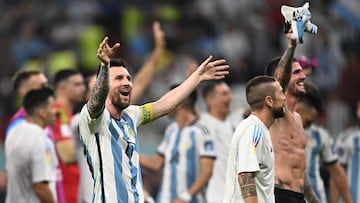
[(209, 146)]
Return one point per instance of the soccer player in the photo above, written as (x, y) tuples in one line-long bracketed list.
[(30, 155), (250, 169), (108, 124)]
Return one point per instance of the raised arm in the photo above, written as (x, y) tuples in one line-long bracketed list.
[(96, 103), (147, 71), (208, 70), (285, 64)]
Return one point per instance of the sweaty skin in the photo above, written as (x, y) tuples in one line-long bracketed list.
[(289, 141)]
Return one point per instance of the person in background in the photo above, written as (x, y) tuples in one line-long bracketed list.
[(23, 81), (320, 146), (186, 155), (218, 98), (347, 146), (30, 155), (70, 90)]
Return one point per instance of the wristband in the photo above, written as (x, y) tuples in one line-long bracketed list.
[(185, 196)]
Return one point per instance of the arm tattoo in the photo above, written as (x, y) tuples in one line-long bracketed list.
[(309, 192), (99, 93), (280, 184), (285, 66), (247, 185)]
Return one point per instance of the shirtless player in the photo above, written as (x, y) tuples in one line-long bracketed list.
[(287, 133)]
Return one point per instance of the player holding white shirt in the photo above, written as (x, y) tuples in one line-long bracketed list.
[(250, 169)]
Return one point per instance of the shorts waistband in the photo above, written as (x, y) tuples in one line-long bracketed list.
[(297, 195)]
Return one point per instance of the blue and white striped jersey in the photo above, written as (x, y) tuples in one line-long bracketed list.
[(348, 148), (319, 148), (120, 180), (182, 149)]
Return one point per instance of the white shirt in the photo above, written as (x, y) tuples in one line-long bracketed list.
[(182, 149), (251, 150), (223, 132), (319, 148), (30, 158), (119, 151)]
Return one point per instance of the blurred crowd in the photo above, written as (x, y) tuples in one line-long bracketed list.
[(53, 35)]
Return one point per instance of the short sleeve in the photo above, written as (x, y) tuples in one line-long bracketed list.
[(248, 149), (206, 142), (41, 165), (88, 125), (342, 148), (328, 152)]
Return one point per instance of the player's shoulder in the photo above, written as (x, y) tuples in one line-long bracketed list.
[(202, 126)]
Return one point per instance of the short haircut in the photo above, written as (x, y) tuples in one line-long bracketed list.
[(63, 75), (115, 62), (312, 98), (209, 87), (271, 67), (36, 98), (190, 101), (21, 76), (257, 89)]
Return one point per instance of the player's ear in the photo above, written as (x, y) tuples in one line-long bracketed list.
[(269, 101)]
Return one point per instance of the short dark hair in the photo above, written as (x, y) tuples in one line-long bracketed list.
[(256, 91), (64, 74), (312, 97), (36, 98), (209, 87), (21, 76), (271, 67), (190, 101)]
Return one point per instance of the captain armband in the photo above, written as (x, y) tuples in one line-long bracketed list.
[(147, 114)]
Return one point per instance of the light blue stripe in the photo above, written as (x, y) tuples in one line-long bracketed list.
[(135, 173), (13, 124), (191, 164), (88, 157), (347, 14), (173, 166), (355, 170), (313, 169), (122, 195)]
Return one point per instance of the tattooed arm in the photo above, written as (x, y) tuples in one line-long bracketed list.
[(285, 64), (248, 187), (96, 103), (309, 193)]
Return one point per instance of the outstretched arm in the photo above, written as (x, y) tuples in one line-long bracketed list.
[(152, 163), (96, 103), (285, 64), (147, 71), (208, 70)]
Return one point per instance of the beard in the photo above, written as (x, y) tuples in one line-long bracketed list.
[(119, 104), (278, 112)]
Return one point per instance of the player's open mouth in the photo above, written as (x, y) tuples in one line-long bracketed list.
[(125, 93)]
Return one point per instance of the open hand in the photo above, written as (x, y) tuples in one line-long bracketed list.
[(210, 70), (105, 52)]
